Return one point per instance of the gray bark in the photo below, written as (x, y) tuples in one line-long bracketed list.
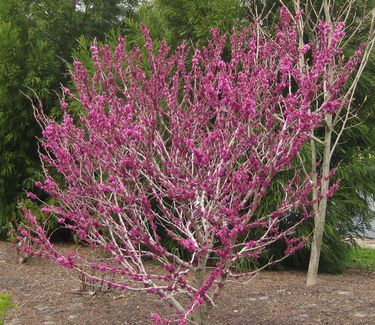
[(321, 208)]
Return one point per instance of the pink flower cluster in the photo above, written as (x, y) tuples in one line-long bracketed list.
[(171, 151)]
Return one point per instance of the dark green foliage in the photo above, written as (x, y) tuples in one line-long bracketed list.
[(18, 159), (36, 40), (334, 250), (189, 21)]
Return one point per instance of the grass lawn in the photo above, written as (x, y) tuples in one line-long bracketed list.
[(362, 258)]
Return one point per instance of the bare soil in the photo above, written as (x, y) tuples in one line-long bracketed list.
[(45, 294)]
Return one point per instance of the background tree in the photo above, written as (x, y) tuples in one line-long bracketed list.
[(37, 37), (336, 122), (190, 21), (348, 212)]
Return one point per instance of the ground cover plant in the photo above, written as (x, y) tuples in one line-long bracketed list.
[(179, 148), (5, 305)]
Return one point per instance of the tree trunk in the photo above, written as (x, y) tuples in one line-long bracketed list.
[(199, 316), (321, 208)]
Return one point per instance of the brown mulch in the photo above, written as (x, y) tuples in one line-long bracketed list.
[(45, 294)]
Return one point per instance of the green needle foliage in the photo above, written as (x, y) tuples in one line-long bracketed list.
[(5, 305)]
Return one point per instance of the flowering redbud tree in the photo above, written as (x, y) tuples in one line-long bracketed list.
[(182, 149)]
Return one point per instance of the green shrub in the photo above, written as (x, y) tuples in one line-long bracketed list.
[(5, 304)]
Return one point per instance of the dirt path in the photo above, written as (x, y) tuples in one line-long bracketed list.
[(44, 294)]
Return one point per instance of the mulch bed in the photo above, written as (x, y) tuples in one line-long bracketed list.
[(46, 294)]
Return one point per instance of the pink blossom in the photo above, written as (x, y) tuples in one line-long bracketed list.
[(172, 164)]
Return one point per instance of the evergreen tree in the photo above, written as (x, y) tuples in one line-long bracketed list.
[(188, 21), (36, 41)]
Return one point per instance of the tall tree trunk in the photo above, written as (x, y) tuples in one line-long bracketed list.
[(321, 208)]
